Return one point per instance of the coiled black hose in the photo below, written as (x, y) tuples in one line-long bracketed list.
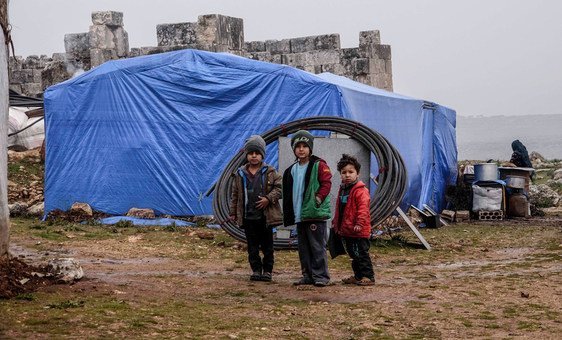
[(391, 182)]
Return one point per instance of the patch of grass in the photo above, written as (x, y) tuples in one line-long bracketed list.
[(528, 326), (124, 224), (510, 311), (486, 315), (26, 297), (67, 304)]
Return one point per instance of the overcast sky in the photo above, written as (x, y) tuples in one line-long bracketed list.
[(479, 57)]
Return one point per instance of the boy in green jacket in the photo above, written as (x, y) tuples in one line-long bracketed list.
[(306, 186)]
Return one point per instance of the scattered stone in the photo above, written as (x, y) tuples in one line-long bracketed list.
[(543, 196), (17, 209), (557, 174), (66, 269), (141, 213), (37, 209), (205, 235), (80, 208)]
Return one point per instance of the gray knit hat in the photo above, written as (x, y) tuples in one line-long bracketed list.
[(302, 136), (255, 143)]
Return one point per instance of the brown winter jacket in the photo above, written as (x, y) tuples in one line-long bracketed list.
[(272, 185)]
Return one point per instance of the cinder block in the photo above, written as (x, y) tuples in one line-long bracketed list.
[(109, 18), (314, 43), (176, 34)]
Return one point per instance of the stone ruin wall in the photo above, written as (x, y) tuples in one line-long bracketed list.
[(370, 63)]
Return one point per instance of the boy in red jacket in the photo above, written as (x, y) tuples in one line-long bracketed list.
[(352, 221)]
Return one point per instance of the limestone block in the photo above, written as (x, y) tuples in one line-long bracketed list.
[(261, 56), (176, 34), (15, 63), (376, 51), (255, 46), (313, 43), (325, 57), (54, 73), (141, 213), (35, 62), (360, 65), (21, 76), (309, 68), (31, 89), (338, 69), (66, 269), (101, 36), (109, 18), (278, 46), (295, 59), (216, 29), (350, 53), (99, 56), (377, 66), (276, 58), (77, 45), (135, 52), (36, 76), (388, 66), (59, 56), (369, 38), (121, 38)]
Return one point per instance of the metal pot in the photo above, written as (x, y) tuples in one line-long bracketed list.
[(486, 172), (517, 182)]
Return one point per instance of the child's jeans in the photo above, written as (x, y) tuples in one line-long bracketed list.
[(259, 235), (358, 250)]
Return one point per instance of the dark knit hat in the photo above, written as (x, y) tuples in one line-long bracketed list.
[(255, 143), (302, 136)]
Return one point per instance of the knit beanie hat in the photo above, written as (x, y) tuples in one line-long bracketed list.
[(302, 136), (255, 143)]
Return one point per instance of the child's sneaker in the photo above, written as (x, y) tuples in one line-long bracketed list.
[(366, 282), (256, 276), (321, 283), (266, 277), (350, 280)]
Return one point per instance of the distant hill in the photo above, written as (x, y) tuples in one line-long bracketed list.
[(485, 138)]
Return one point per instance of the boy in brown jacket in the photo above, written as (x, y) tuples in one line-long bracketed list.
[(254, 205)]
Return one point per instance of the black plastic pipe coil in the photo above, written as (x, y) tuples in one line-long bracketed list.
[(391, 178)]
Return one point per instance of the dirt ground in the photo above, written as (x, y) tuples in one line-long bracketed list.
[(481, 280)]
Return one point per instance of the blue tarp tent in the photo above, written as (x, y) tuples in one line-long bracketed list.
[(156, 131)]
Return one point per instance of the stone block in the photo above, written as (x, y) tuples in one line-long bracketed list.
[(322, 57), (36, 76), (55, 72), (278, 46), (109, 18), (314, 43), (350, 53), (261, 56), (338, 69), (376, 51), (31, 89), (77, 45), (121, 38), (295, 59), (369, 38), (377, 66), (388, 66), (217, 30), (360, 65), (15, 63), (176, 34), (35, 62), (21, 76), (59, 56), (99, 56), (255, 46), (101, 37)]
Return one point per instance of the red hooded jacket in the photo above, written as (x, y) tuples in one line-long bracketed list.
[(356, 212)]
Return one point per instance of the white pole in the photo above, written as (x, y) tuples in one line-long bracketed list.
[(4, 97)]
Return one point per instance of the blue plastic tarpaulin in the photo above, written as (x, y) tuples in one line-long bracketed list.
[(156, 131)]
